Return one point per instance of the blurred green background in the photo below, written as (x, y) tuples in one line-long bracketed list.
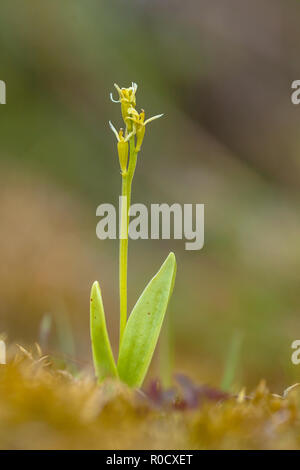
[(221, 72)]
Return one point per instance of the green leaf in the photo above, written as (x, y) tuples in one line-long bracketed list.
[(104, 362), (144, 325)]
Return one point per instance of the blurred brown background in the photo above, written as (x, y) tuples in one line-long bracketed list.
[(221, 72)]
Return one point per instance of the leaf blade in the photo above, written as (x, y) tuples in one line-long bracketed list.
[(144, 325), (103, 359)]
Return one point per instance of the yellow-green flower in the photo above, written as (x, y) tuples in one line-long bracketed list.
[(126, 98), (122, 147), (140, 124)]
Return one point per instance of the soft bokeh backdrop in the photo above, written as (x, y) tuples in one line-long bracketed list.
[(221, 72)]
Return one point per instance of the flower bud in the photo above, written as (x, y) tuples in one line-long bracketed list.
[(123, 153), (140, 133)]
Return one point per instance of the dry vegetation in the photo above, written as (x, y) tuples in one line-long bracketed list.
[(43, 407)]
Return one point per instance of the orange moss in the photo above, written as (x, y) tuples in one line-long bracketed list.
[(42, 407)]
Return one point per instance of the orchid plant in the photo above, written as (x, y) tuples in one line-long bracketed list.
[(140, 332)]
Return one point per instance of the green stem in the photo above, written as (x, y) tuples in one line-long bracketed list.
[(123, 256)]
